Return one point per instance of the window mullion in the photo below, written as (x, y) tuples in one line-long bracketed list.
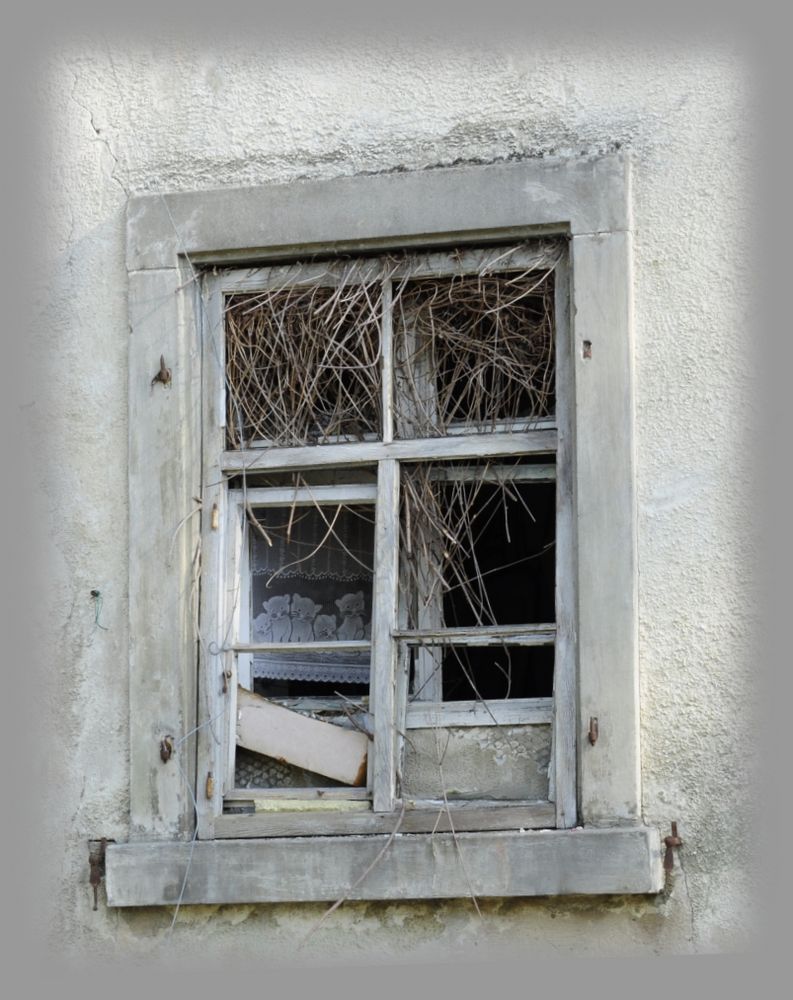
[(384, 619), (416, 408), (237, 668), (387, 360)]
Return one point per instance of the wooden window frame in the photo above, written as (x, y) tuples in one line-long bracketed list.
[(169, 238), (223, 546)]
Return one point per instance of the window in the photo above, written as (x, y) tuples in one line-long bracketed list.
[(404, 404), (384, 615)]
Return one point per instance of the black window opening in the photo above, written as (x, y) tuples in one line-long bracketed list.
[(478, 550)]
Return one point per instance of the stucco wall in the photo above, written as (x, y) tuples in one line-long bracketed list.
[(125, 118)]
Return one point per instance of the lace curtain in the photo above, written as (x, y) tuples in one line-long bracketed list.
[(312, 584)]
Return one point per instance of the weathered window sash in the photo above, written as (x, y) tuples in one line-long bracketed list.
[(224, 545)]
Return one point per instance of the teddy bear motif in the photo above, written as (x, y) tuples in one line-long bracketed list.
[(351, 609), (325, 628), (278, 610), (262, 626), (303, 613)]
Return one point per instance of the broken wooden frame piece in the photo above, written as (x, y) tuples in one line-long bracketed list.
[(588, 202), (320, 747)]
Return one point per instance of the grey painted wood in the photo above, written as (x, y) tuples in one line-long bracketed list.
[(329, 703), (511, 712), (163, 541), (267, 795), (305, 496), (331, 273), (606, 528), (243, 661), (337, 646), (565, 675), (457, 204), (323, 274), (428, 660), (502, 816), (479, 260), (540, 442), (416, 408), (387, 362), (220, 593), (237, 614), (541, 634), (513, 426), (384, 612), (415, 866), (496, 474)]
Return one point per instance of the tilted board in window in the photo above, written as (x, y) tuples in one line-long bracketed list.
[(382, 596)]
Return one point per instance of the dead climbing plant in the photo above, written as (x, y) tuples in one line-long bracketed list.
[(473, 350), (445, 507), (303, 356), (303, 363)]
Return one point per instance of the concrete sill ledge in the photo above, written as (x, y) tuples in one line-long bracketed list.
[(415, 866)]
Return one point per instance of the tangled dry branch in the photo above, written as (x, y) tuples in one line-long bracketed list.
[(473, 350), (304, 358)]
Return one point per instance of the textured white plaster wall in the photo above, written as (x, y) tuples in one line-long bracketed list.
[(123, 118)]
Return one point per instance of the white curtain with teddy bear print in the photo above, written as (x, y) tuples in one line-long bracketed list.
[(312, 584)]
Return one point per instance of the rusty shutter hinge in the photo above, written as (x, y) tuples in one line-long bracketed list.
[(671, 843), (96, 863)]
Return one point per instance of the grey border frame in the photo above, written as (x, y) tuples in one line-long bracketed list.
[(167, 236)]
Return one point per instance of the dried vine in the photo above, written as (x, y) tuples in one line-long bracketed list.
[(473, 350), (303, 364)]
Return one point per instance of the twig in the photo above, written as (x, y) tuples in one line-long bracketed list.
[(357, 882)]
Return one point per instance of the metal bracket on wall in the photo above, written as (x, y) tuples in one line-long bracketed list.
[(671, 843), (96, 863)]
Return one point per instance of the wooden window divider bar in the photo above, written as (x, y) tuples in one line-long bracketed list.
[(489, 446)]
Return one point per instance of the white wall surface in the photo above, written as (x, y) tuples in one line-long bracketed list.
[(122, 118)]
